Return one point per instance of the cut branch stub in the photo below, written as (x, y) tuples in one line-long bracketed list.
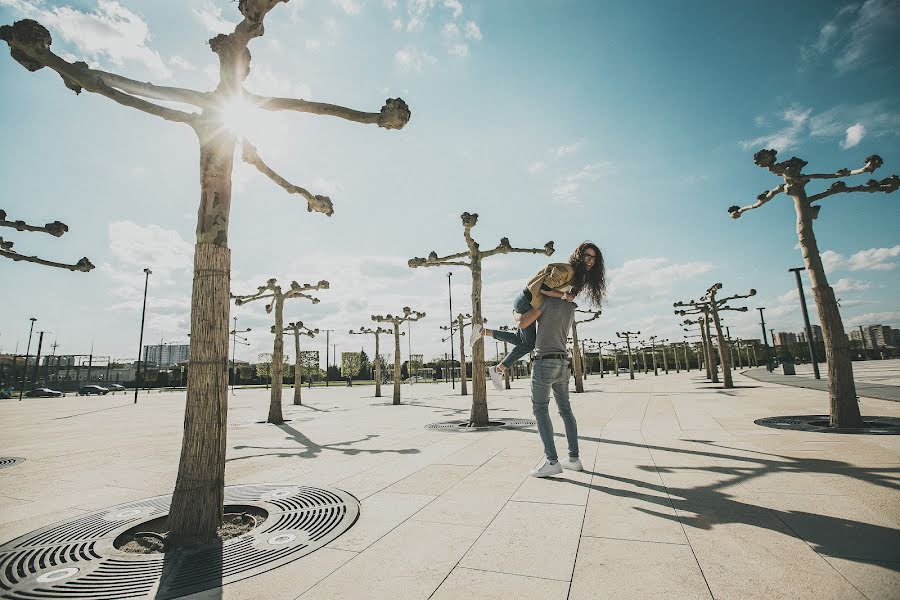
[(23, 36), (56, 229), (395, 114)]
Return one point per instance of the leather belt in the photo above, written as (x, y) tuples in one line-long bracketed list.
[(559, 355)]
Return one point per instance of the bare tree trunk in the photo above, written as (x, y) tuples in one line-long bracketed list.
[(479, 414), (198, 499), (724, 351), (576, 360), (396, 363), (506, 373), (666, 360), (713, 365), (841, 387), (275, 414), (298, 372), (462, 359), (630, 359), (377, 367)]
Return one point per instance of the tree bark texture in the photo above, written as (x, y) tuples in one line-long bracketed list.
[(507, 373), (479, 414), (396, 363), (710, 356), (276, 416), (377, 366), (463, 380), (577, 363), (841, 387), (197, 502), (630, 359), (298, 372), (724, 352)]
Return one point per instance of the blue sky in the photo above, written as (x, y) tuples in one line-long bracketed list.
[(630, 124)]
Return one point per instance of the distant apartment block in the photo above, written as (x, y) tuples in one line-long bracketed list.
[(784, 338), (167, 354), (876, 336)]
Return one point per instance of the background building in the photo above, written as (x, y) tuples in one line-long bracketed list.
[(784, 338), (167, 354)]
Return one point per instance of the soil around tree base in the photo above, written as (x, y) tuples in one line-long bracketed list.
[(149, 537)]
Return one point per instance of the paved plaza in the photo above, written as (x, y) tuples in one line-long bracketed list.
[(683, 496)]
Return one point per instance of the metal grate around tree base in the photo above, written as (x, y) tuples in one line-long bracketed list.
[(8, 461), (820, 424), (77, 558), (463, 425)]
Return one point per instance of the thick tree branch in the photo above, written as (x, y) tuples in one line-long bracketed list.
[(737, 211), (395, 114), (84, 265), (595, 314), (316, 203), (872, 162), (505, 248), (157, 92), (29, 44), (887, 185), (56, 228)]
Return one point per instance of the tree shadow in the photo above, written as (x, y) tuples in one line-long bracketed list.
[(310, 449), (706, 506)]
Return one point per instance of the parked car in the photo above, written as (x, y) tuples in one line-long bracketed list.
[(43, 393), (90, 390), (115, 387)]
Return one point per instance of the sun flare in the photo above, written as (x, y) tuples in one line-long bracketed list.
[(240, 116)]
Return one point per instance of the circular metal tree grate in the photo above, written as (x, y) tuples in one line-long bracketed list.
[(77, 559), (8, 461), (820, 423), (491, 426)]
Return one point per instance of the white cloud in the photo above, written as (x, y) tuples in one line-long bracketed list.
[(210, 16), (461, 50), (874, 318), (398, 24), (390, 4), (264, 80), (451, 30), (646, 278), (785, 138), (412, 59), (536, 167), (181, 63), (874, 259), (568, 186), (418, 11), (855, 134), (313, 45), (110, 32), (472, 31), (566, 149), (351, 7), (164, 251), (845, 285), (455, 7)]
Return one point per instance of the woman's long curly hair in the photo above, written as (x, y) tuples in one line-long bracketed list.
[(592, 283)]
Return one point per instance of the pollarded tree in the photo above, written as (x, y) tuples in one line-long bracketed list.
[(506, 372), (712, 306), (841, 388), (462, 321), (576, 355), (702, 312), (198, 499), (273, 290), (55, 229), (479, 414), (376, 332), (408, 315), (626, 335), (298, 329)]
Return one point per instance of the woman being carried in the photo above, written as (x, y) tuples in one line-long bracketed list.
[(583, 274)]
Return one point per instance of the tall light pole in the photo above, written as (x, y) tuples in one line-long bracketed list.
[(327, 342), (137, 379), (452, 360), (762, 323), (862, 339), (809, 340), (27, 352), (234, 334)]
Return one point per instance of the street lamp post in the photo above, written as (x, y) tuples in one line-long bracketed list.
[(452, 360), (327, 342), (137, 379), (27, 352), (762, 323), (234, 333), (809, 339)]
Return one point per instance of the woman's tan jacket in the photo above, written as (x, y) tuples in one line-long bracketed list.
[(554, 276)]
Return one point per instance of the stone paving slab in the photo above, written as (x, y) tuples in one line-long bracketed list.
[(683, 495)]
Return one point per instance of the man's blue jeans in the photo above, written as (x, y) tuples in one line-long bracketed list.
[(521, 339), (546, 376)]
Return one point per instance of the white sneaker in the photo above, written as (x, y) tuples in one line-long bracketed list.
[(572, 464), (496, 378), (477, 333), (546, 470)]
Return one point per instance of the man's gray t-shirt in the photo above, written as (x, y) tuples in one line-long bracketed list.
[(553, 326)]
